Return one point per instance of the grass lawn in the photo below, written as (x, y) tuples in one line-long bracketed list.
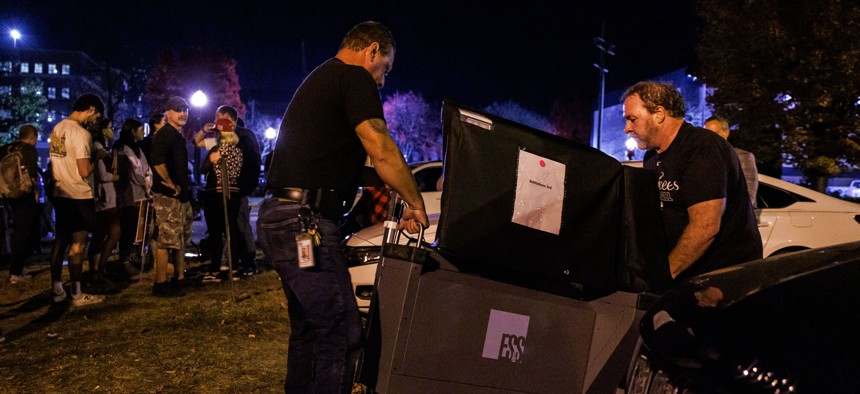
[(135, 343)]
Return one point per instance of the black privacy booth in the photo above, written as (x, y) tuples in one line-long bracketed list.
[(544, 250)]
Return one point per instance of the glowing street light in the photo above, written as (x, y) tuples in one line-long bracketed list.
[(271, 133), (630, 144), (198, 99), (16, 35)]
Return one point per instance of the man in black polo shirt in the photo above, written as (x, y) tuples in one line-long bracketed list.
[(332, 124), (171, 197), (707, 214)]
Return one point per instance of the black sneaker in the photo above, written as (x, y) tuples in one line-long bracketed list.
[(166, 289)]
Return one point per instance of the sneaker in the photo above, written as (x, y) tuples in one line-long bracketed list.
[(84, 299), (226, 276), (165, 289), (59, 297), (16, 279), (209, 278)]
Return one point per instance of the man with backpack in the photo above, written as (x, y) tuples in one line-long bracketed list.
[(18, 172)]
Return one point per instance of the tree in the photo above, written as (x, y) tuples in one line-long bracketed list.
[(789, 78), (29, 105), (184, 72), (571, 120), (414, 126), (513, 111)]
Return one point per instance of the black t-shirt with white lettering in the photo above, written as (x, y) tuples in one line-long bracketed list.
[(698, 166), (317, 144)]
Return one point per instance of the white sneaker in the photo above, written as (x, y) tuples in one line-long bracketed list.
[(59, 297), (84, 299), (16, 279)]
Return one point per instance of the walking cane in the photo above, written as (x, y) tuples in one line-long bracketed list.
[(225, 195), (146, 236)]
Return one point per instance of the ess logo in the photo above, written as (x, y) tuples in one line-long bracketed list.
[(506, 336)]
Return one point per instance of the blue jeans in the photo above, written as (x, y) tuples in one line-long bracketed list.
[(325, 336)]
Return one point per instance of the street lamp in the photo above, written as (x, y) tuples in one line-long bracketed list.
[(271, 133), (16, 35), (198, 100), (630, 144)]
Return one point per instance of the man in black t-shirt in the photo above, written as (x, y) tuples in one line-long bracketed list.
[(170, 188), (707, 214), (332, 124)]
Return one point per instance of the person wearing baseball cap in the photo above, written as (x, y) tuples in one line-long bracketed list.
[(170, 188)]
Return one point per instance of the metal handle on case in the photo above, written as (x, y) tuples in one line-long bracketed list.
[(390, 234)]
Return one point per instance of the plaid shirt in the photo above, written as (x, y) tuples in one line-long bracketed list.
[(379, 200)]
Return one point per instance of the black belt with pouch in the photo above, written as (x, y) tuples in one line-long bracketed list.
[(327, 202)]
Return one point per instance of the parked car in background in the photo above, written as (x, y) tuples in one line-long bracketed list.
[(791, 218), (795, 218), (784, 324), (852, 190)]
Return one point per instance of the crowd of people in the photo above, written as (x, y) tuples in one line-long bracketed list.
[(111, 193)]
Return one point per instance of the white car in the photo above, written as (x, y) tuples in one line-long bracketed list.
[(791, 218), (362, 248)]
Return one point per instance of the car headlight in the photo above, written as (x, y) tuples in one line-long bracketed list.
[(362, 255), (640, 377), (644, 380), (660, 384)]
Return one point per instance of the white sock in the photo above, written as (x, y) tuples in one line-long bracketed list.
[(76, 289), (58, 287)]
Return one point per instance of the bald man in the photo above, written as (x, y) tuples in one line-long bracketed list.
[(720, 125)]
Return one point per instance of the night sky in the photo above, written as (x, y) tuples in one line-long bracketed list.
[(478, 52)]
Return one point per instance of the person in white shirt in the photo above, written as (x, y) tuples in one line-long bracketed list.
[(72, 168)]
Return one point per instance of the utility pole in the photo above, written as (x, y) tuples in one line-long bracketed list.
[(605, 49)]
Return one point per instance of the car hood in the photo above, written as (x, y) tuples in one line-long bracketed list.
[(781, 321)]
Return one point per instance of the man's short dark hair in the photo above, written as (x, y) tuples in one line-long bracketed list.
[(230, 111), (654, 94), (88, 100), (27, 131), (154, 119), (366, 33)]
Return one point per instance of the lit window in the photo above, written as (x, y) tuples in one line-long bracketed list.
[(37, 68), (23, 89), (65, 93), (52, 93), (52, 68), (25, 68), (7, 66), (5, 90), (65, 69), (38, 91)]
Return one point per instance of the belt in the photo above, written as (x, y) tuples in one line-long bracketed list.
[(294, 194)]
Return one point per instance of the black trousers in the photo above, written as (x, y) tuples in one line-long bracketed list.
[(214, 212), (128, 224), (23, 213)]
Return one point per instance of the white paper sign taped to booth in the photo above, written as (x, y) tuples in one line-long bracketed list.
[(540, 193)]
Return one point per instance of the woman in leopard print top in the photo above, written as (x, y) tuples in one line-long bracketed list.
[(231, 155)]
